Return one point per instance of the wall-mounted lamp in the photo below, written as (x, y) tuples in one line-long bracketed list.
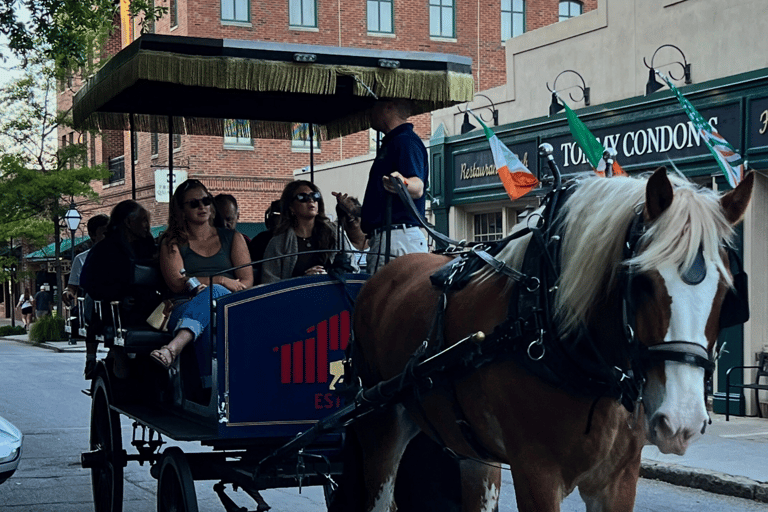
[(653, 84), (555, 106), (466, 126)]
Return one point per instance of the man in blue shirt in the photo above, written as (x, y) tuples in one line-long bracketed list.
[(401, 155)]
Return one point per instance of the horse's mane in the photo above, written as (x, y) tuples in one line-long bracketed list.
[(594, 223)]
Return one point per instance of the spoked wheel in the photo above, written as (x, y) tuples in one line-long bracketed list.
[(175, 486), (106, 441)]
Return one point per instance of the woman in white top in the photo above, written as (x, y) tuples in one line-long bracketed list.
[(27, 305)]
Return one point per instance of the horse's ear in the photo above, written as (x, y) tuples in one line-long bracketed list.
[(658, 194), (735, 202)]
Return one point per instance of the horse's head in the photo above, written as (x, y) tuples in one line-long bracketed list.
[(680, 281)]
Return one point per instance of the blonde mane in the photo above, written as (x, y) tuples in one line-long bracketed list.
[(596, 219), (594, 225)]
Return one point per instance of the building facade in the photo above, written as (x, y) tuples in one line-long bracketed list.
[(727, 82)]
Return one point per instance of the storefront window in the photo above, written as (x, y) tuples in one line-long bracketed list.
[(488, 227)]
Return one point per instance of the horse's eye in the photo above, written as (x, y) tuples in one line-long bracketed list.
[(642, 287), (697, 271)]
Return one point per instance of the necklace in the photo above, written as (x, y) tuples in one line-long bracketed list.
[(306, 241)]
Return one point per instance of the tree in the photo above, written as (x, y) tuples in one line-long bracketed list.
[(66, 33), (36, 178)]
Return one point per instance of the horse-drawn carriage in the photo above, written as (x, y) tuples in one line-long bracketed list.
[(557, 351)]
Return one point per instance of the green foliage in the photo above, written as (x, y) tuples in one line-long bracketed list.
[(67, 33), (37, 180), (7, 330), (47, 328)]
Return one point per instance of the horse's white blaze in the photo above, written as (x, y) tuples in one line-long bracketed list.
[(681, 399), (383, 502), (491, 497)]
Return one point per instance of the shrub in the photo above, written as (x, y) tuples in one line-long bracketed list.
[(47, 328), (7, 330)]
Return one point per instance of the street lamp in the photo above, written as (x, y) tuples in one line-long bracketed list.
[(72, 217)]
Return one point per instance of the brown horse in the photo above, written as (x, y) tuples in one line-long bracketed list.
[(516, 418)]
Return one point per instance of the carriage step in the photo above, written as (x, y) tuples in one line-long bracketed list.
[(229, 505)]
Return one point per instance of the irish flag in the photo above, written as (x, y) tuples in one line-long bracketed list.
[(727, 158), (589, 144), (515, 177)]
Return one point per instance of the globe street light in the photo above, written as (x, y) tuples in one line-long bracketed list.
[(72, 217)]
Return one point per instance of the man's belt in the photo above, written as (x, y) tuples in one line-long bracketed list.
[(393, 227)]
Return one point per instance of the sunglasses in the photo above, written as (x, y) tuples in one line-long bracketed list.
[(195, 203), (305, 197)]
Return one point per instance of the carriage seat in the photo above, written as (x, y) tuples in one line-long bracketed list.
[(108, 319), (762, 371)]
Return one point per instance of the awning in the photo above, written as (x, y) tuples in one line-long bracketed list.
[(201, 82)]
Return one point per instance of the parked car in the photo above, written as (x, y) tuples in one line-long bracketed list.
[(10, 449)]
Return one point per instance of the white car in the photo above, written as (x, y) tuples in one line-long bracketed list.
[(10, 449)]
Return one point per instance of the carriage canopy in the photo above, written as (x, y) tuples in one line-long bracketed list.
[(202, 82)]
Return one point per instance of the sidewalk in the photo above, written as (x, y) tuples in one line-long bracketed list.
[(731, 458)]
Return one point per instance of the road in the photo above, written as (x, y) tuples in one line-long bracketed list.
[(40, 392)]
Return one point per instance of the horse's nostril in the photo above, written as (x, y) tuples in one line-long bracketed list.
[(660, 423), (703, 427)]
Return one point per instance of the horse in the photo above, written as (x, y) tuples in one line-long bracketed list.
[(665, 296)]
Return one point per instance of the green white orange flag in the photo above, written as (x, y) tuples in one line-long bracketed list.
[(515, 177), (727, 158), (589, 144)]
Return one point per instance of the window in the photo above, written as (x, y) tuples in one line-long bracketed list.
[(174, 13), (237, 132), (135, 146), (149, 25), (512, 18), (116, 169), (300, 137), (176, 141), (303, 13), (488, 227), (235, 10), (380, 16), (71, 141), (373, 140), (441, 18), (569, 10), (154, 144), (93, 151)]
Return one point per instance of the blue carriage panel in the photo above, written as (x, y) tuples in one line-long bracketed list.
[(280, 349)]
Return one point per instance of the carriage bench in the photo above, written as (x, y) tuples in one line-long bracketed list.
[(762, 371)]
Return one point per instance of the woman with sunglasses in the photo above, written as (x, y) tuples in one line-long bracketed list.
[(303, 227), (193, 248)]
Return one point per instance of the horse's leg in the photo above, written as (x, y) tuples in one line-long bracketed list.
[(480, 486), (618, 495), (538, 488), (383, 437)]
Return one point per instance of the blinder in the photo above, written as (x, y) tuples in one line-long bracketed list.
[(735, 307)]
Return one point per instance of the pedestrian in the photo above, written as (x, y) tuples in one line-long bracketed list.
[(27, 307), (97, 227), (43, 302), (402, 155), (227, 213)]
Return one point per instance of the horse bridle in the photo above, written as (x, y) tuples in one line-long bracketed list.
[(646, 356)]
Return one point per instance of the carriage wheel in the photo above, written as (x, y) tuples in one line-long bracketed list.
[(175, 486), (107, 474)]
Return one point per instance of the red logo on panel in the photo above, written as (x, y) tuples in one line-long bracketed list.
[(306, 362)]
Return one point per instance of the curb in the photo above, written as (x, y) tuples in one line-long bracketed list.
[(705, 480), (48, 345)]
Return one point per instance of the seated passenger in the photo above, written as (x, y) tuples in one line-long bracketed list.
[(303, 227), (108, 271), (227, 213), (193, 248), (348, 212), (258, 245)]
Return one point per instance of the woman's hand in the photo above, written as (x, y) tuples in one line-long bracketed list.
[(233, 285), (316, 270)]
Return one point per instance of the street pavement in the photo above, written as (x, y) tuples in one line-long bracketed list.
[(730, 459)]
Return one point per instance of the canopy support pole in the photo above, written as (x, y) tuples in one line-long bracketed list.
[(311, 152), (170, 161), (133, 152)]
